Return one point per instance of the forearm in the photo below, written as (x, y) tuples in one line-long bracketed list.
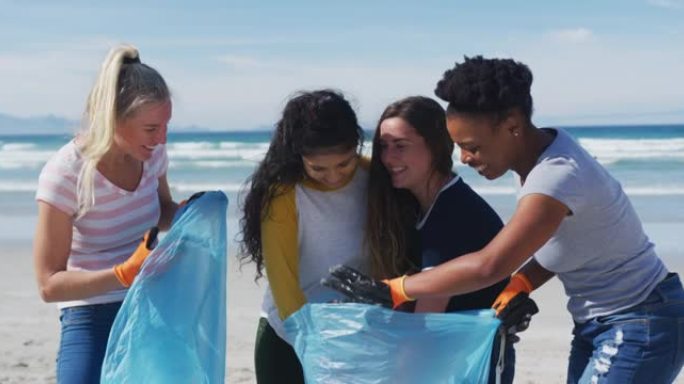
[(534, 222), (166, 203), (77, 285), (461, 275), (536, 274), (168, 210), (432, 305)]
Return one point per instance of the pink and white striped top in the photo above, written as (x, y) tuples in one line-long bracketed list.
[(112, 229)]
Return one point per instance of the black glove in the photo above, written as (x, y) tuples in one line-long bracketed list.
[(194, 196), (516, 316), (358, 287), (184, 204)]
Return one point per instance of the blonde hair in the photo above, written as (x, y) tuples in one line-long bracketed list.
[(122, 86)]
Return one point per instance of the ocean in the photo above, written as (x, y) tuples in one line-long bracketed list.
[(647, 160)]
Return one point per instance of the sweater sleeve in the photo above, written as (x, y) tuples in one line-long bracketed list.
[(280, 248)]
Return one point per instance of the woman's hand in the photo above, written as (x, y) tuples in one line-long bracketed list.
[(360, 288), (128, 270)]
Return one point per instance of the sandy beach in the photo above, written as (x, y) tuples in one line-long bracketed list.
[(29, 328)]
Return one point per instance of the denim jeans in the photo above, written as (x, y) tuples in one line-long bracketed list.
[(643, 344), (508, 371), (85, 330)]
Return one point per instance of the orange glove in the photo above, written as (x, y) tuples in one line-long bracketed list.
[(519, 283), (126, 271), (397, 291)]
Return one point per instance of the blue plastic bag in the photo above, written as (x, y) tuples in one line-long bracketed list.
[(171, 327), (364, 344)]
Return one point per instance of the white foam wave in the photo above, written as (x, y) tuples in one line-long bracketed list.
[(237, 144), (18, 186), (638, 149), (214, 164), (654, 191), (190, 145), (17, 146), (612, 151), (195, 187), (630, 191), (493, 190), (19, 165), (31, 186), (217, 154), (22, 158)]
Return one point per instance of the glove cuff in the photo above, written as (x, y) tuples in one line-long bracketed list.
[(525, 284), (397, 291), (120, 273), (402, 290)]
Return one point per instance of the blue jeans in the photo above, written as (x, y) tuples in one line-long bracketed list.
[(508, 362), (85, 330), (643, 344)]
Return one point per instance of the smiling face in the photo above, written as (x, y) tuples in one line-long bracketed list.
[(405, 155), (485, 145), (331, 169), (139, 134)]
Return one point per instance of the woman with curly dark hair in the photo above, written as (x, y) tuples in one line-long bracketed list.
[(304, 212), (573, 219)]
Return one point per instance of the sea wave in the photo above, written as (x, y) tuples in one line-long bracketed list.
[(231, 187), (194, 187), (213, 164), (23, 157), (204, 154), (642, 149), (18, 186), (630, 191), (240, 153), (16, 146), (190, 145)]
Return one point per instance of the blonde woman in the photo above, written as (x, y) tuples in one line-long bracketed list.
[(97, 198)]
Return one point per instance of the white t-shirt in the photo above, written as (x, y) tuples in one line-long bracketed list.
[(330, 229), (600, 251)]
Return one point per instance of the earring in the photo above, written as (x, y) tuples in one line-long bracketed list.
[(515, 133)]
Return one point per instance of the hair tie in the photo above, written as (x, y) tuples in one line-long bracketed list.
[(131, 60)]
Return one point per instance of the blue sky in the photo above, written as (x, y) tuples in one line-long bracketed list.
[(232, 64)]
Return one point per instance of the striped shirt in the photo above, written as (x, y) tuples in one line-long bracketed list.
[(112, 229)]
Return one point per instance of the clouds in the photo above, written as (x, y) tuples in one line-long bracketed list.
[(46, 80), (607, 80), (667, 4), (573, 35), (241, 62), (248, 92), (232, 66)]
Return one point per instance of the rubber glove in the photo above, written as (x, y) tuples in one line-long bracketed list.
[(514, 306), (360, 288), (126, 271), (518, 283)]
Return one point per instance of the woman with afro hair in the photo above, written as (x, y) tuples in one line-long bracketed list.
[(573, 220)]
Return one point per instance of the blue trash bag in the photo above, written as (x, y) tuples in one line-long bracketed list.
[(171, 327), (364, 344)]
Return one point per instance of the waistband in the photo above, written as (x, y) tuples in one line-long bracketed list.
[(670, 288)]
